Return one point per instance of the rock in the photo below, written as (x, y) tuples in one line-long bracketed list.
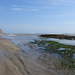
[(1, 31), (58, 36)]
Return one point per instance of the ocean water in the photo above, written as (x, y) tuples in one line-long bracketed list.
[(21, 38), (63, 41), (31, 37)]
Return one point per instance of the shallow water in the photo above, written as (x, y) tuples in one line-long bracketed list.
[(31, 37), (23, 41), (63, 41)]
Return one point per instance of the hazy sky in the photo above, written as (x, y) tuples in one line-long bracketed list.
[(37, 16)]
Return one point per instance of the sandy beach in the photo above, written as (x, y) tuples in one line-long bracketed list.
[(13, 63), (37, 37), (21, 59)]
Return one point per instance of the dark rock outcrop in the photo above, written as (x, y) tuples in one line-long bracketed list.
[(58, 36)]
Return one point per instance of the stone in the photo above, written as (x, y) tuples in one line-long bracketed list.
[(1, 31)]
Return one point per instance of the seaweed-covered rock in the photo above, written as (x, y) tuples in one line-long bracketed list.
[(58, 36)]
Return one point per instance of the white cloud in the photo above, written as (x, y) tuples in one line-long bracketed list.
[(17, 9), (62, 2), (33, 9), (41, 4), (60, 15), (24, 9), (14, 5), (68, 1), (52, 2), (45, 7)]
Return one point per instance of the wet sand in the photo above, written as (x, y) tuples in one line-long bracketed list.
[(15, 61)]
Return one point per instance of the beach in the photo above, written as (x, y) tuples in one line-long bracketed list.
[(19, 57)]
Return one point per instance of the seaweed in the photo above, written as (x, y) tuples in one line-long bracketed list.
[(54, 47)]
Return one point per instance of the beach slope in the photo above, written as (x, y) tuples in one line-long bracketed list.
[(12, 62)]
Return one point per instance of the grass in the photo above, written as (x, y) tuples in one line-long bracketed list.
[(54, 47)]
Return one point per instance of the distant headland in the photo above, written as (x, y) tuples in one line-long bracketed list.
[(1, 31)]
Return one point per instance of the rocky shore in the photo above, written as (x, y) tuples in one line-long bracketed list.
[(25, 58), (15, 62), (58, 36)]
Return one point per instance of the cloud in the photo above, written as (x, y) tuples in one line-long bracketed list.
[(17, 9), (40, 5), (53, 2), (14, 5), (45, 7), (62, 2), (24, 9), (68, 1), (33, 9), (60, 15)]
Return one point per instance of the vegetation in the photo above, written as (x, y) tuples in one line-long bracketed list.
[(66, 52)]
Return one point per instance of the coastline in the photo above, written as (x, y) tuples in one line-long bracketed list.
[(12, 62), (23, 59)]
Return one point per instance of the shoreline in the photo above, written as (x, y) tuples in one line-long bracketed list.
[(13, 61)]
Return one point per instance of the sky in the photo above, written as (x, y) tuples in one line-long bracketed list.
[(37, 16)]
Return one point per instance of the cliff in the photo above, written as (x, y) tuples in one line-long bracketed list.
[(1, 31)]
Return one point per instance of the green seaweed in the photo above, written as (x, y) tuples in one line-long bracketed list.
[(66, 54)]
